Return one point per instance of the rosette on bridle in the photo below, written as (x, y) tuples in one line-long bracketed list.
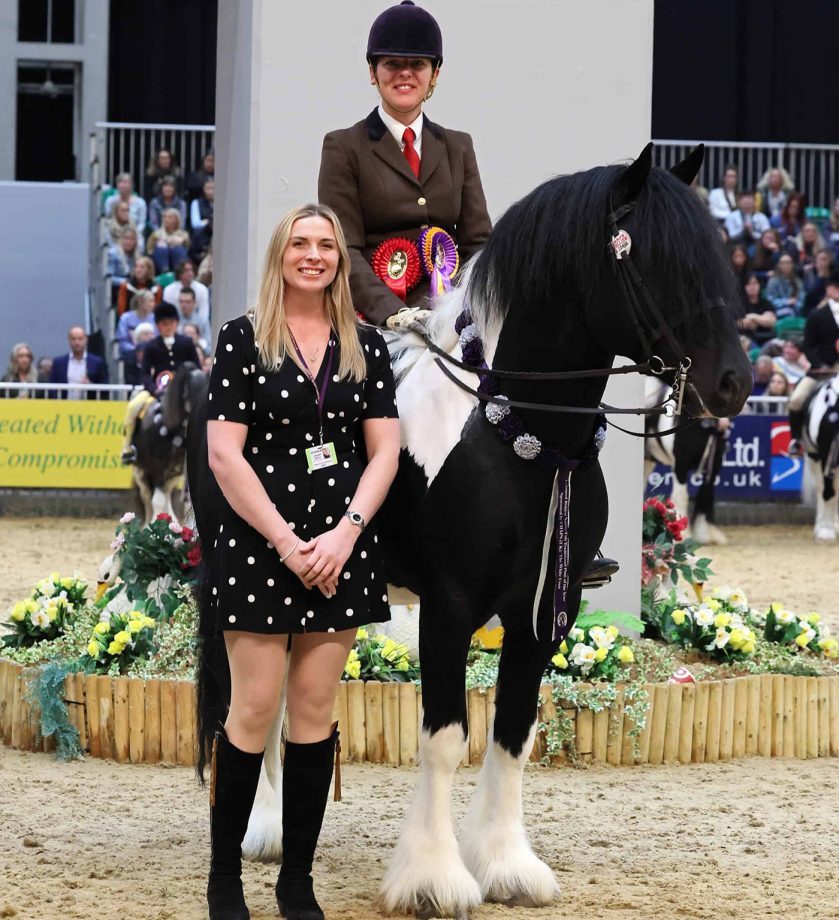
[(440, 259), (397, 263)]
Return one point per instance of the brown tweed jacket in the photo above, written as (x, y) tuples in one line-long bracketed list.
[(366, 180)]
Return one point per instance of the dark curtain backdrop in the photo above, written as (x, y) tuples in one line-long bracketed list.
[(163, 61), (747, 70)]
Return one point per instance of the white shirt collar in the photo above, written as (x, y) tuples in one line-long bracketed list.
[(834, 309), (397, 129)]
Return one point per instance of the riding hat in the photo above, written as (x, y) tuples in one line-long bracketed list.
[(165, 311), (405, 30)]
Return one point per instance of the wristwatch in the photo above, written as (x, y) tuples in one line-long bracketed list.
[(355, 518)]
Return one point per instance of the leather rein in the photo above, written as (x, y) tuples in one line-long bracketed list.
[(650, 326)]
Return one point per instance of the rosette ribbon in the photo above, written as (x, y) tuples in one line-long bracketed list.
[(397, 263), (440, 259)]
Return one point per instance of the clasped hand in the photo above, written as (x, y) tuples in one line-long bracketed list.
[(319, 562)]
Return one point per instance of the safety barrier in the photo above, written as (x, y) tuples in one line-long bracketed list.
[(94, 391)]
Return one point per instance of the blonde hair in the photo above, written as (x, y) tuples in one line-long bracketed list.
[(177, 215), (268, 315)]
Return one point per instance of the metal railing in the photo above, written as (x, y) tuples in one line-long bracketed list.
[(814, 168), (128, 147), (766, 405), (95, 391)]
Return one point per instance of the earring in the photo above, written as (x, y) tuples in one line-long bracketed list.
[(430, 92)]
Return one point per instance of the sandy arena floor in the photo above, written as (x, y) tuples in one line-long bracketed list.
[(745, 840)]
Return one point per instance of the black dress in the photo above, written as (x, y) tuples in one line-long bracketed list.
[(251, 589)]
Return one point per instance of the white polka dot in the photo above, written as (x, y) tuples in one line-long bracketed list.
[(310, 613), (215, 360), (364, 554), (260, 379), (341, 414), (210, 397), (365, 592), (228, 347), (291, 487), (253, 368), (292, 451), (330, 415), (251, 560), (367, 348), (331, 629), (346, 576), (372, 576), (284, 394), (335, 378), (225, 382), (243, 405), (231, 580), (292, 525), (375, 538), (346, 464), (221, 528), (270, 545), (253, 406), (349, 611), (379, 385), (231, 618), (251, 598), (346, 501), (329, 519), (270, 582), (331, 482), (357, 398), (224, 326), (308, 437), (288, 602), (300, 378), (215, 591), (221, 418), (255, 449), (303, 621), (384, 598), (268, 436), (231, 542), (245, 370), (269, 468), (376, 352), (270, 620), (286, 421)]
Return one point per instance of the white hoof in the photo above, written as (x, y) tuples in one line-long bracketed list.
[(825, 535), (509, 872), (429, 879), (701, 530), (716, 537), (264, 839)]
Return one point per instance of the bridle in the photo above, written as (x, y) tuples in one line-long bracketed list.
[(650, 326)]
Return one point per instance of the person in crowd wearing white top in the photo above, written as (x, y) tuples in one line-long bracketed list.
[(723, 200), (185, 277), (188, 311), (125, 192), (78, 366), (791, 361), (745, 225)]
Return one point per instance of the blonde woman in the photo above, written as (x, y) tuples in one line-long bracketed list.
[(296, 566), (21, 369), (168, 246)]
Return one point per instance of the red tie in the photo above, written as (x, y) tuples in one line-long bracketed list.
[(411, 155)]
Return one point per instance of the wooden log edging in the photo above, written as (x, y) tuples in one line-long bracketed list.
[(153, 721)]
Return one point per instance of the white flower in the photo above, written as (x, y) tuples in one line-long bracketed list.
[(723, 593), (784, 617), (175, 527), (705, 616), (117, 543), (40, 618), (720, 640), (583, 657), (808, 631), (127, 518), (600, 637), (576, 635)]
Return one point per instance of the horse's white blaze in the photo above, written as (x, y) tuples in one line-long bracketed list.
[(426, 865), (494, 843), (264, 838)]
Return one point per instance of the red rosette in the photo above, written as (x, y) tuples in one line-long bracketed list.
[(397, 263)]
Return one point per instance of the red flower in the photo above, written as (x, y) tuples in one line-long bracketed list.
[(193, 557), (186, 534), (163, 516)]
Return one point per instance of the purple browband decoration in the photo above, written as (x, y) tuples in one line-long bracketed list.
[(511, 428)]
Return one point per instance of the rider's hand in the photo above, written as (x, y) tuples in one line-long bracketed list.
[(326, 555), (296, 559)]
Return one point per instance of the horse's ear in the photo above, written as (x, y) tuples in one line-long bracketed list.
[(630, 182), (688, 169)]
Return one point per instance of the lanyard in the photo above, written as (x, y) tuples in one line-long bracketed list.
[(320, 393)]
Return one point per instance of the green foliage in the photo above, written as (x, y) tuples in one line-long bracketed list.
[(625, 622), (46, 613), (114, 644), (379, 658)]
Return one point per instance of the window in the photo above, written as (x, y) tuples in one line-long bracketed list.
[(46, 21)]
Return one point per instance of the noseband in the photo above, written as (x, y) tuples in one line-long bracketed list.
[(650, 326)]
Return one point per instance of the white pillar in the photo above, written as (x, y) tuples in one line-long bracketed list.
[(543, 86)]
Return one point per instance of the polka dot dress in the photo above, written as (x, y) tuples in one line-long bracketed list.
[(250, 588)]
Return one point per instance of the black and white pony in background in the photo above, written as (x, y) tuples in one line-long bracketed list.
[(160, 439), (821, 442), (694, 448), (470, 524)]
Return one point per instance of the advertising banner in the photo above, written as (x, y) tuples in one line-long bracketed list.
[(755, 466), (62, 444)]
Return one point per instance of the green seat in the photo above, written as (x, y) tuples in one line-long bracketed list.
[(789, 325), (165, 278), (754, 354)]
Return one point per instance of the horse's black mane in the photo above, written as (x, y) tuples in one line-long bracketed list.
[(551, 246)]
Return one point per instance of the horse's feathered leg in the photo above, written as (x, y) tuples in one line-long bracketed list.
[(494, 845), (426, 875)]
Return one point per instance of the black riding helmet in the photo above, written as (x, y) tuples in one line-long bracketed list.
[(165, 310), (405, 30)]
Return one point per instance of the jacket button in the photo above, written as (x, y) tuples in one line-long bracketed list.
[(421, 201), (423, 226)]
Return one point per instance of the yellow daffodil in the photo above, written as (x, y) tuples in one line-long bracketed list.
[(560, 660), (68, 583), (55, 578), (814, 618), (776, 607), (625, 655), (612, 631), (601, 653), (52, 612), (678, 616), (563, 647), (361, 634), (18, 613), (135, 626), (748, 647), (93, 648), (403, 664), (101, 628), (353, 669), (149, 622), (30, 605), (123, 637), (714, 604), (115, 648), (722, 619), (803, 639), (737, 640)]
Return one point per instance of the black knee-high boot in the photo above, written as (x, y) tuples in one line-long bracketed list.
[(233, 782), (307, 773)]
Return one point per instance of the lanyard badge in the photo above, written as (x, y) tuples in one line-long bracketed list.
[(321, 455)]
